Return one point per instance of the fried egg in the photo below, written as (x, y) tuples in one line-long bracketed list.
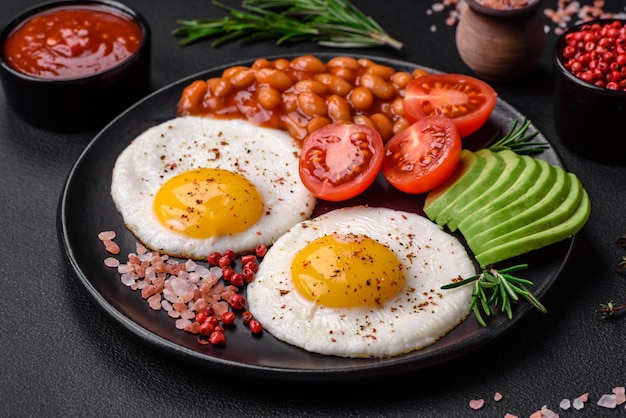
[(191, 186), (362, 282)]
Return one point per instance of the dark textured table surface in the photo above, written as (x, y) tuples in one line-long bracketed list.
[(62, 357)]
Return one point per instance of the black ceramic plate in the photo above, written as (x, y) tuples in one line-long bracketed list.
[(86, 208)]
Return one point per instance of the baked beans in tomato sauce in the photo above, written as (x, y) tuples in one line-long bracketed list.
[(303, 94), (71, 42)]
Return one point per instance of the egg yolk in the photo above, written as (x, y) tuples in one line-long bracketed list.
[(347, 271), (208, 202)]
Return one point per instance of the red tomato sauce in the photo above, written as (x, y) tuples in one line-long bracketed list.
[(71, 42)]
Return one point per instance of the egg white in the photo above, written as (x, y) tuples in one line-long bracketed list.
[(268, 158), (416, 317)]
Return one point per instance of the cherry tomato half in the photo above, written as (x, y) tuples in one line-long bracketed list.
[(340, 160), (466, 100), (422, 156)]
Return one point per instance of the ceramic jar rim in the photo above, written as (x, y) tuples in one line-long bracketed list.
[(478, 7)]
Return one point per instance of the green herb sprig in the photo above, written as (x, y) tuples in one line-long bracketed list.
[(608, 310), (493, 288), (517, 140), (331, 23)]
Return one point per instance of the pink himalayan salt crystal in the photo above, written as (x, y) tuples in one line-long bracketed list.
[(510, 416), (544, 412), (608, 401), (497, 396), (476, 403), (578, 404), (106, 235), (111, 262), (620, 394)]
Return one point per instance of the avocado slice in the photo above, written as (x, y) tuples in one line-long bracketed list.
[(526, 179), (468, 169), (544, 207), (494, 165), (513, 166), (543, 238), (519, 203), (561, 213)]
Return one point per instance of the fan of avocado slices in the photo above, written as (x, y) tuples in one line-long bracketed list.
[(506, 203)]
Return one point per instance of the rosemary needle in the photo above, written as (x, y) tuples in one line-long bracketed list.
[(331, 23), (517, 140), (493, 288)]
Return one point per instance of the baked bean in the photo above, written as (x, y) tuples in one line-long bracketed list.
[(274, 78), (344, 62), (290, 103), (192, 96), (214, 103), (379, 87), (311, 85), (401, 79), (282, 64), (346, 73), (400, 124), (312, 104), (338, 108), (361, 98), (397, 107), (365, 62), (316, 123), (243, 79), (308, 63), (262, 63), (364, 120), (336, 85), (383, 71), (219, 86), (294, 129), (269, 97), (232, 71), (383, 125), (418, 72)]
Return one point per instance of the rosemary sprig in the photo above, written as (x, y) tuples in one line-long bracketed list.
[(517, 140), (331, 23), (493, 288)]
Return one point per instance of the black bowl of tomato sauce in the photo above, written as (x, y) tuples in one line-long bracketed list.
[(73, 65), (590, 90)]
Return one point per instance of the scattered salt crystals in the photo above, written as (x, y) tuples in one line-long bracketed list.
[(497, 397), (476, 403), (565, 404), (567, 13), (620, 394), (608, 401)]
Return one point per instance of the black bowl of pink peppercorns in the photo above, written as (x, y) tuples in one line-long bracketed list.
[(590, 90)]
